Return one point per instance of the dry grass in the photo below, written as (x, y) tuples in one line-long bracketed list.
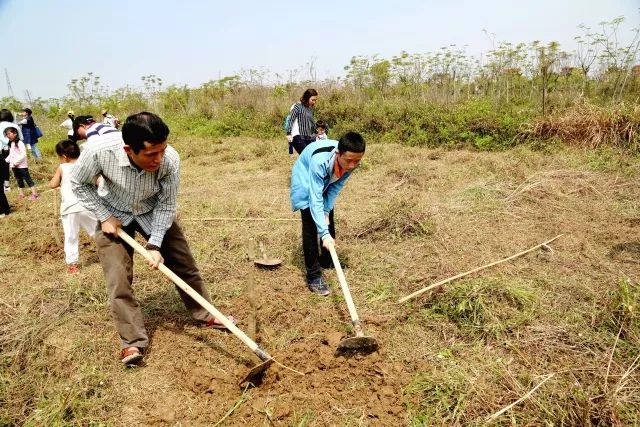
[(590, 126), (409, 217)]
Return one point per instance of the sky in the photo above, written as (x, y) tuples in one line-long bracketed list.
[(193, 41)]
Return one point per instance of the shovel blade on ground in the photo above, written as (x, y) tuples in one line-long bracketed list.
[(356, 345), (267, 263)]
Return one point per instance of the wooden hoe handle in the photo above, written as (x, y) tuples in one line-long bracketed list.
[(197, 297), (345, 290)]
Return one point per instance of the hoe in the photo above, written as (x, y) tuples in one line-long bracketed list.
[(265, 261), (360, 344), (256, 371)]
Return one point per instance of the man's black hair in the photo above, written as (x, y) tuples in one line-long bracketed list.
[(351, 141), (27, 110), (68, 148), (144, 127)]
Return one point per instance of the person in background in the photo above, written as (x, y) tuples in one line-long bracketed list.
[(72, 214), (68, 123), (85, 127), (6, 120), (317, 177), (5, 209), (109, 120), (17, 160), (321, 130), (142, 174), (29, 132), (301, 128)]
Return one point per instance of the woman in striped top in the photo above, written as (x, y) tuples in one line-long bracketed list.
[(301, 130)]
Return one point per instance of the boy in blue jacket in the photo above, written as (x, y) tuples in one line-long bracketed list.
[(317, 177)]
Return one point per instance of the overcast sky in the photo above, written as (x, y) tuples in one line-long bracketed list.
[(190, 42)]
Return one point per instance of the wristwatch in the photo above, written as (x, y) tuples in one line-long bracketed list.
[(151, 247)]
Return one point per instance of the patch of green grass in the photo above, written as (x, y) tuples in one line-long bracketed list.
[(437, 396), (621, 312), (379, 292), (69, 400), (303, 418), (489, 306)]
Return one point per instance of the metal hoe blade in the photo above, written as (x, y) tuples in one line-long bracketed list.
[(356, 345), (253, 376), (266, 262)]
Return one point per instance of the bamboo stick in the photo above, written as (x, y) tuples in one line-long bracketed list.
[(525, 397), (475, 270)]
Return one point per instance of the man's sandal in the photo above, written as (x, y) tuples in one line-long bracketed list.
[(214, 323), (131, 356)]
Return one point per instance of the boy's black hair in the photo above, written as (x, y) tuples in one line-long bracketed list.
[(144, 127), (68, 148), (351, 141), (27, 110), (321, 124)]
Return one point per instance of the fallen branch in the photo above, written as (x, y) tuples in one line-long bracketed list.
[(239, 219), (475, 270), (525, 397)]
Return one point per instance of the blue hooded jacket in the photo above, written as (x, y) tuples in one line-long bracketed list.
[(311, 185)]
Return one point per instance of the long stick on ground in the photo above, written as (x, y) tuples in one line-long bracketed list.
[(239, 219), (525, 397), (475, 270)]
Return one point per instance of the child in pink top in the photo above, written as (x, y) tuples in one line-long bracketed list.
[(17, 160)]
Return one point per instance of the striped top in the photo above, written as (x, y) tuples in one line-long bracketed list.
[(304, 115), (99, 129), (149, 198)]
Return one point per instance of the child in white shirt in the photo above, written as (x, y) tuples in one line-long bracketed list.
[(321, 130), (17, 160), (72, 213)]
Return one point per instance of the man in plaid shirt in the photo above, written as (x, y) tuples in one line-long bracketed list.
[(141, 175)]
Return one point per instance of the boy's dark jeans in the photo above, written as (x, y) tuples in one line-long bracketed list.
[(314, 257)]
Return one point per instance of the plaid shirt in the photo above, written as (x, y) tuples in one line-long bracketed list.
[(149, 198)]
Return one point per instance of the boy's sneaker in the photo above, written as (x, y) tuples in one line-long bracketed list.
[(130, 356), (33, 197), (73, 269), (319, 286)]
